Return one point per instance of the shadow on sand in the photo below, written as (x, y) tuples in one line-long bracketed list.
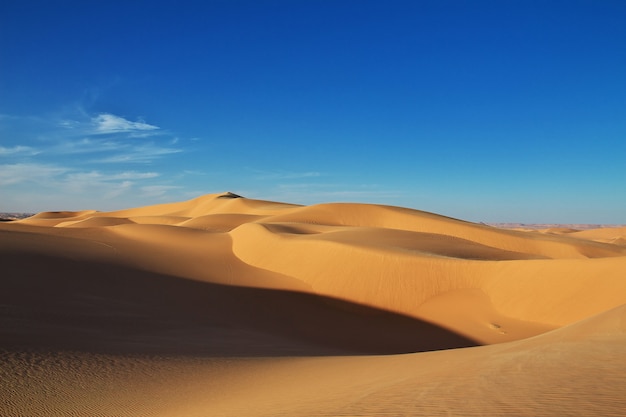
[(52, 303)]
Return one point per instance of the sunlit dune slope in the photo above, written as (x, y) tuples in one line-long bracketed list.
[(614, 235)]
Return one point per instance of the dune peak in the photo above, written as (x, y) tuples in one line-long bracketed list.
[(229, 194)]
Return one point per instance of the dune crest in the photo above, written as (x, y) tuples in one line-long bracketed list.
[(224, 288)]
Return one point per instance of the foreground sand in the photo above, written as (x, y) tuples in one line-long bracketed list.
[(225, 306)]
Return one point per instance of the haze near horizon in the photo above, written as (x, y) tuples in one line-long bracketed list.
[(486, 111)]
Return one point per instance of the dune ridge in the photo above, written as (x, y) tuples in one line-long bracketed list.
[(224, 297)]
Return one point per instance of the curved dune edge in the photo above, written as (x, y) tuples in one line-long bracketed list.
[(179, 292)]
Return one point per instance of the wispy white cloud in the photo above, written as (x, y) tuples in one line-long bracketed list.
[(106, 184), (18, 150), (25, 180), (110, 138), (311, 193), (115, 151), (82, 158), (98, 176), (89, 145), (139, 154), (64, 176), (69, 124), (11, 174), (117, 190), (157, 190), (132, 175), (285, 175), (106, 123), (193, 172)]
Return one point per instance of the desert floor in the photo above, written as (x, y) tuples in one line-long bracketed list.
[(228, 306)]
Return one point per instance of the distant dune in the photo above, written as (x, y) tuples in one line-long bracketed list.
[(228, 306), (546, 226)]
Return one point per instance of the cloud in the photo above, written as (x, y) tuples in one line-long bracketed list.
[(18, 150), (98, 176), (311, 193), (139, 154), (114, 138), (119, 189), (69, 124), (132, 175), (40, 187), (283, 175), (11, 174), (105, 185), (88, 137), (106, 123), (193, 172), (80, 157), (115, 151), (90, 145), (157, 190), (108, 184)]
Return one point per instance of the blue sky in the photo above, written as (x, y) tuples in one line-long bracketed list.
[(481, 110)]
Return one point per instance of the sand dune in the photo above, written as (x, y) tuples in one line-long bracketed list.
[(614, 235), (224, 305)]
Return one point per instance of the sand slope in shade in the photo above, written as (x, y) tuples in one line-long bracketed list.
[(224, 305)]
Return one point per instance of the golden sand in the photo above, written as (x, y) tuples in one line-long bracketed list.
[(227, 306)]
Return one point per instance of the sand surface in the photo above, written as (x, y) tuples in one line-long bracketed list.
[(227, 306)]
